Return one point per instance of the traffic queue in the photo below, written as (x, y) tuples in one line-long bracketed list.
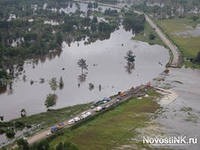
[(98, 106)]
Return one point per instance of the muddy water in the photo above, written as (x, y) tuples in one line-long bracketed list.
[(182, 117), (106, 67)]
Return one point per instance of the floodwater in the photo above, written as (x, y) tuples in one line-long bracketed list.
[(182, 117), (106, 67)]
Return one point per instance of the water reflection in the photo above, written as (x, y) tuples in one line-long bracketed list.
[(91, 86), (130, 67), (82, 78), (106, 72), (3, 89)]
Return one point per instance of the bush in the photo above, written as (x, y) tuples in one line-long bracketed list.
[(22, 144), (50, 100), (19, 125), (152, 36), (10, 133), (197, 59), (2, 131)]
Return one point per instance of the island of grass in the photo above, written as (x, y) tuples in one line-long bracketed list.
[(113, 129), (178, 30)]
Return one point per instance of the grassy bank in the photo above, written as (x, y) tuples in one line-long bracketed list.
[(43, 120), (51, 117), (188, 45), (113, 128), (145, 36)]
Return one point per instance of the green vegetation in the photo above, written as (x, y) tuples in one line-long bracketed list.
[(10, 133), (28, 30), (130, 57), (168, 8), (134, 22), (44, 145), (82, 64), (189, 45), (22, 144), (113, 128), (197, 59), (66, 145), (148, 35), (50, 100), (42, 120), (53, 84)]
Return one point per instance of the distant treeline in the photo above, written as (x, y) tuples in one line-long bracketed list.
[(134, 22), (24, 33), (168, 8)]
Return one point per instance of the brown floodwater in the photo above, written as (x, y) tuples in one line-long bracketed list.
[(106, 67)]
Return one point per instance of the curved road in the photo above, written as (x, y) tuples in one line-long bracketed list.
[(175, 60)]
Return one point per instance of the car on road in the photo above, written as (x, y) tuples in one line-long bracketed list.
[(76, 119), (71, 121), (98, 108), (54, 129), (48, 134)]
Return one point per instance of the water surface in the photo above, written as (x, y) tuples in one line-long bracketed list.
[(106, 67)]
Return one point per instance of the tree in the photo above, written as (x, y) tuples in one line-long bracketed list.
[(53, 84), (10, 133), (22, 144), (89, 5), (82, 64), (61, 83), (197, 59), (130, 57), (130, 61), (23, 112), (152, 36), (50, 100)]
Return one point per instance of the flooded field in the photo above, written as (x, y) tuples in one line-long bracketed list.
[(106, 68), (182, 116)]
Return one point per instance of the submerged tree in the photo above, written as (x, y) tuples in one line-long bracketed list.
[(130, 61), (81, 78), (82, 64), (23, 112), (61, 83), (53, 84), (50, 100), (130, 57)]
